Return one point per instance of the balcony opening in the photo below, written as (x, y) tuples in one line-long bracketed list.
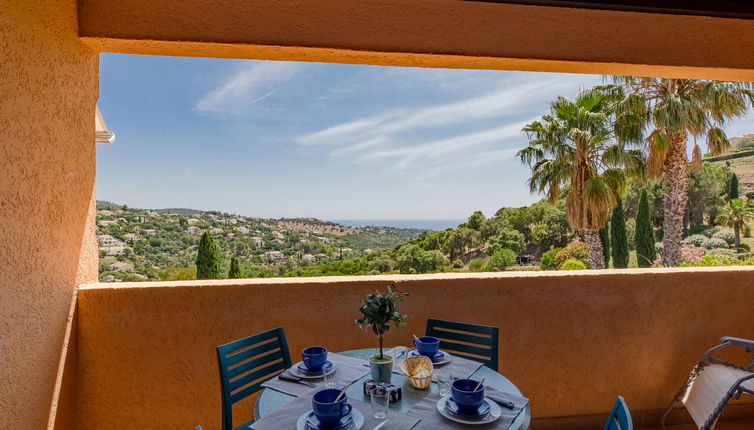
[(313, 169)]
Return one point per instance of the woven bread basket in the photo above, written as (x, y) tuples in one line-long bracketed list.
[(418, 370)]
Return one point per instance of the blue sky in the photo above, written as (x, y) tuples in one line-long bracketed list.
[(332, 141)]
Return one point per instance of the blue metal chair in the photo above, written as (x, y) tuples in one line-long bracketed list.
[(620, 417), (479, 342), (245, 364)]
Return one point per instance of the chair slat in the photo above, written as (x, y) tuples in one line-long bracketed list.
[(470, 349), (251, 364), (473, 328), (251, 352), (257, 374), (463, 337), (484, 339), (247, 341)]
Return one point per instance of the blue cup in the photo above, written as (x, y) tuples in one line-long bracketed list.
[(427, 346), (327, 410), (466, 398), (314, 357)]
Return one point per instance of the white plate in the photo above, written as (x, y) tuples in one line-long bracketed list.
[(445, 360), (297, 373), (358, 421), (495, 413)]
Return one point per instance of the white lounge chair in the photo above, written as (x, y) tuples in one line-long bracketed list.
[(713, 382)]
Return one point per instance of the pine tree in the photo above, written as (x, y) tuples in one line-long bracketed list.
[(208, 259), (733, 193), (644, 236), (619, 237), (605, 239), (235, 269)]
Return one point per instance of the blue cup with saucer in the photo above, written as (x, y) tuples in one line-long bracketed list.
[(329, 414), (427, 346), (465, 396), (314, 357)]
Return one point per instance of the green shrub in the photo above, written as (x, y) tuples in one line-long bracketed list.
[(547, 261), (699, 229), (383, 263), (696, 240), (576, 251), (477, 265), (572, 264), (715, 243), (457, 264), (725, 235), (659, 234), (711, 231), (710, 260), (744, 247), (723, 251), (501, 260)]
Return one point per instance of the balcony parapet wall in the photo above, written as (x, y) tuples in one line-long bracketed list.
[(572, 341)]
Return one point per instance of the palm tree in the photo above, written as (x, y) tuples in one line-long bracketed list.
[(736, 213), (572, 148), (661, 114)]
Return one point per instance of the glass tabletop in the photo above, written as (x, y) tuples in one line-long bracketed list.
[(271, 400)]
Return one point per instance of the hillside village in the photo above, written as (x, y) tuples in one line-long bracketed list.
[(144, 244)]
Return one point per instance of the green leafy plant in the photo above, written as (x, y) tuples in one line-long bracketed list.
[(572, 264), (501, 260), (477, 264), (575, 251), (379, 311), (547, 261)]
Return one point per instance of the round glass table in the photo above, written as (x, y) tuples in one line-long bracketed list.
[(271, 400)]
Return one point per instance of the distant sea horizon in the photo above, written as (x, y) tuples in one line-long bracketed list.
[(424, 224)]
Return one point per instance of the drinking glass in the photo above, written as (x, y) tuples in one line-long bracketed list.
[(331, 379), (380, 401), (444, 381)]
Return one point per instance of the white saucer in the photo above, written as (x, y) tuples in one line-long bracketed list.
[(495, 413), (358, 421), (299, 374)]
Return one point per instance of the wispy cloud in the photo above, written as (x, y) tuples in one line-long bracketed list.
[(251, 84)]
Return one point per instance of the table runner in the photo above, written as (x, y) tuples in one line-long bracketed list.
[(349, 370), (458, 367), (426, 411), (286, 417), (396, 420)]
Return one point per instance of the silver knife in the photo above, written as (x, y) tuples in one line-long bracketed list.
[(379, 426), (289, 378)]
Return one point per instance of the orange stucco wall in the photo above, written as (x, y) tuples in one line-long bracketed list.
[(48, 91), (571, 341), (427, 33)]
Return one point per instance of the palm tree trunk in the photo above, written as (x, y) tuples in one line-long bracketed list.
[(675, 197), (593, 242), (737, 231)]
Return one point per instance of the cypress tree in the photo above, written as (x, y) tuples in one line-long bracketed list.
[(733, 193), (644, 237), (605, 239), (619, 237), (235, 269), (208, 259)]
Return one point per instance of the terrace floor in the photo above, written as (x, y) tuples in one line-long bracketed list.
[(723, 425)]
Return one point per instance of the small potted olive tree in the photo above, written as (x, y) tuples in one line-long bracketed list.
[(378, 311)]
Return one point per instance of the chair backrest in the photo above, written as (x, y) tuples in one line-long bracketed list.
[(245, 364), (620, 417), (472, 341)]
